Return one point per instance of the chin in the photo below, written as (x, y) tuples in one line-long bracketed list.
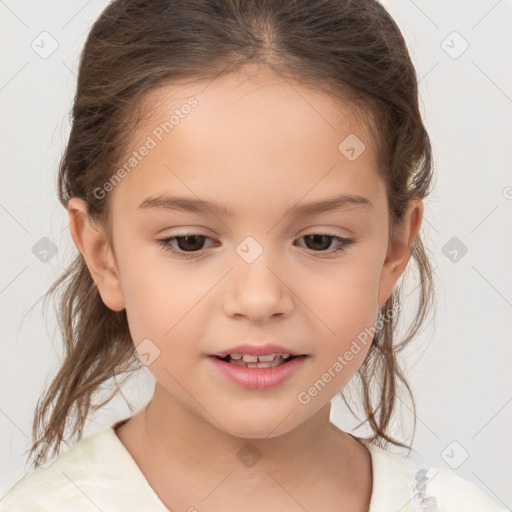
[(257, 426)]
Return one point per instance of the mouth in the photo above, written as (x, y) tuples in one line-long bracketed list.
[(252, 361), (260, 372)]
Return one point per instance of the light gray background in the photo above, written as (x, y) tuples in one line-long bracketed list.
[(459, 367)]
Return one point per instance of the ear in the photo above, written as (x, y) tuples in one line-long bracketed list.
[(94, 247), (400, 249)]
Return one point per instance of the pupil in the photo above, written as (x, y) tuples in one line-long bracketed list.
[(195, 246), (316, 239)]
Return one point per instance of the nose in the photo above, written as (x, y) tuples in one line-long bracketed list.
[(258, 292)]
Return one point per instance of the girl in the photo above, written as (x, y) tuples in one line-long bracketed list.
[(245, 184)]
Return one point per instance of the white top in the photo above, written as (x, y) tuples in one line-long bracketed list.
[(98, 473)]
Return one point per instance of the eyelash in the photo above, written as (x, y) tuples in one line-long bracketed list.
[(166, 244)]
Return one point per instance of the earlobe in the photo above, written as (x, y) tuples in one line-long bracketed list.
[(400, 250), (94, 247)]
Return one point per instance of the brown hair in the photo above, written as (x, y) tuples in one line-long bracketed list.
[(350, 50)]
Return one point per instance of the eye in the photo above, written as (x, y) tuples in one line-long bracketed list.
[(324, 240), (188, 245)]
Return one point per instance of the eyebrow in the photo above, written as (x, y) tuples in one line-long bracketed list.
[(189, 204)]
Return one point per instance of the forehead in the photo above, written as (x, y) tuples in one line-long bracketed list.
[(245, 136), (253, 95)]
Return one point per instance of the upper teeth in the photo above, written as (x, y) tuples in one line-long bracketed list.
[(248, 358)]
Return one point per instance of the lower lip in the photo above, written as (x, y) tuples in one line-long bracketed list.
[(258, 378)]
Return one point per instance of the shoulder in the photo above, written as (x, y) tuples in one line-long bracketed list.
[(414, 487), (58, 485), (95, 474), (453, 492)]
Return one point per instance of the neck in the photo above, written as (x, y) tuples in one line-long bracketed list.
[(175, 447), (181, 437)]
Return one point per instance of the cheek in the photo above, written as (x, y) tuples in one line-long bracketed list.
[(148, 291), (345, 295), (345, 305), (164, 301)]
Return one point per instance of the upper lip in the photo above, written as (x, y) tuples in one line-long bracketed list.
[(257, 350)]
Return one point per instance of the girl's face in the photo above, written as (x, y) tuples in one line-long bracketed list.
[(258, 267)]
